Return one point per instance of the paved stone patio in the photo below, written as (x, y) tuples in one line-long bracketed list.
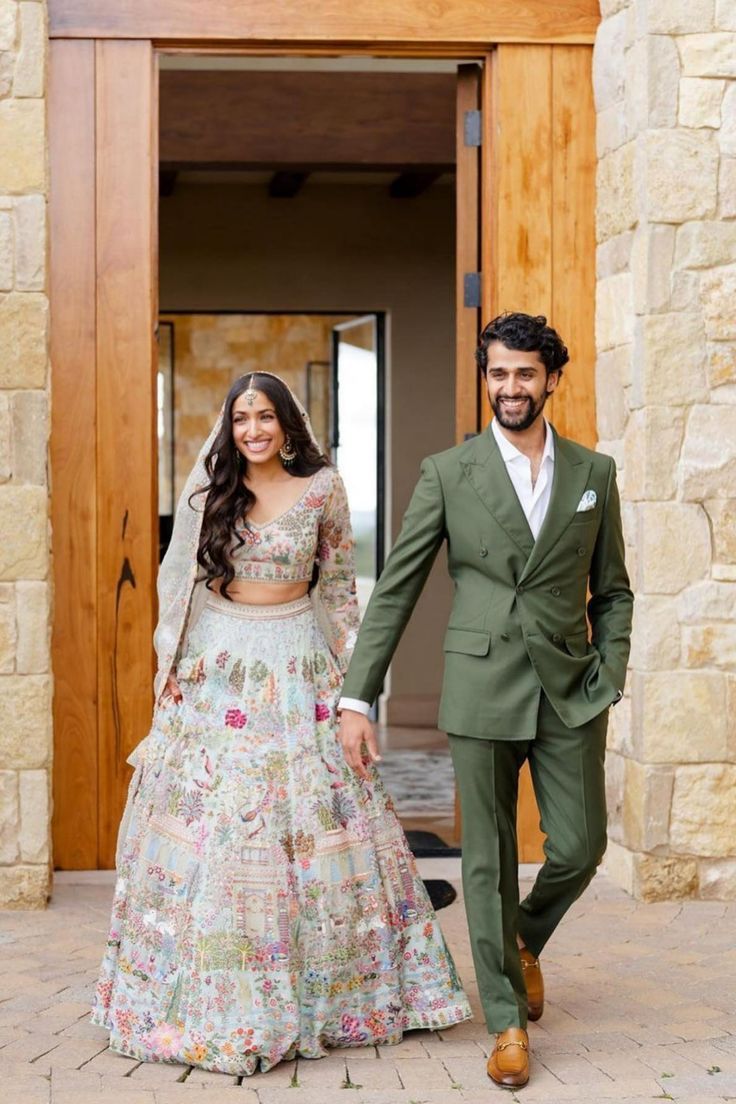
[(641, 1007)]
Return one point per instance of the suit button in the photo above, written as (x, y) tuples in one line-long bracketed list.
[(505, 637), (520, 589), (556, 591), (484, 551), (557, 638), (581, 551)]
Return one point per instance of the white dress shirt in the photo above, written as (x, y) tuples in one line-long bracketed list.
[(534, 500)]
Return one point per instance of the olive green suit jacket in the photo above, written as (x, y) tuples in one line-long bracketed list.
[(518, 623)]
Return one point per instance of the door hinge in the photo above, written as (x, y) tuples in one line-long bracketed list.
[(471, 289), (472, 128)]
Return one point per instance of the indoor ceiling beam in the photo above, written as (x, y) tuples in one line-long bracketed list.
[(410, 184), (285, 185), (256, 118)]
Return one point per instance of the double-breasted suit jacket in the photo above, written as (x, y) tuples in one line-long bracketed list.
[(518, 624)]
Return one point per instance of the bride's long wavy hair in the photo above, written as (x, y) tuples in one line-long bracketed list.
[(228, 498)]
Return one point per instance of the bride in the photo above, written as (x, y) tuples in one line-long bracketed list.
[(267, 903)]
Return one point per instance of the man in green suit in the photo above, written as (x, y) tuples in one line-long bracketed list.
[(532, 523)]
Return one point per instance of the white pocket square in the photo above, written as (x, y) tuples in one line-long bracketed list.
[(587, 502)]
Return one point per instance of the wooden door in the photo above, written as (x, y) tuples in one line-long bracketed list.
[(102, 116)]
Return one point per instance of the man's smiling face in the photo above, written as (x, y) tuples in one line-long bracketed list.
[(518, 386)]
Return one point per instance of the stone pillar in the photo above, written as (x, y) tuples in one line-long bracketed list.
[(665, 87), (25, 681)]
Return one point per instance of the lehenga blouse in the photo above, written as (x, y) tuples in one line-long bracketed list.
[(315, 530)]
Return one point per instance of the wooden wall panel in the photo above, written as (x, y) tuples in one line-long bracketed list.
[(368, 22), (126, 411), (573, 238), (73, 460)]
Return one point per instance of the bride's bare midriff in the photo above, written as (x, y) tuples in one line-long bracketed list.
[(263, 594)]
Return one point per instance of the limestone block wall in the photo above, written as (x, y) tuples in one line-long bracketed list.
[(25, 681), (665, 87)]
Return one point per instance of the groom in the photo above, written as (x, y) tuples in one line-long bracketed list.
[(532, 523)]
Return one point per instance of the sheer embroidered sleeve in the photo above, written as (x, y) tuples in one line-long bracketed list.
[(336, 587)]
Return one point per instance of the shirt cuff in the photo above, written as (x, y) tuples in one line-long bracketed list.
[(357, 706)]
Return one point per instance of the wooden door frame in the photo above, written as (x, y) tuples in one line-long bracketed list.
[(409, 28), (103, 222)]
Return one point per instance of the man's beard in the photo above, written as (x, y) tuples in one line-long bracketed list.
[(527, 413)]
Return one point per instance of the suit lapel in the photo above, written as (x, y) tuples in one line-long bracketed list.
[(568, 484), (487, 474)]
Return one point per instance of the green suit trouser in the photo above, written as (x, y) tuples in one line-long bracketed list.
[(567, 768)]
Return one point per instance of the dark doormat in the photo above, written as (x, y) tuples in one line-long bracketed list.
[(427, 845)]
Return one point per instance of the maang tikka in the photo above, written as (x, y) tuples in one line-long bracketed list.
[(251, 394)]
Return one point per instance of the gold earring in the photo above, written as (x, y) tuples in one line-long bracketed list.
[(287, 452)]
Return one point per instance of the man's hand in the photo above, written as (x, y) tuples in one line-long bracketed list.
[(355, 732), (171, 690)]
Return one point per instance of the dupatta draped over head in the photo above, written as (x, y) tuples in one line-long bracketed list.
[(179, 572)]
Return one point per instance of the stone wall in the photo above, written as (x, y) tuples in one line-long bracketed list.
[(25, 690), (665, 87)]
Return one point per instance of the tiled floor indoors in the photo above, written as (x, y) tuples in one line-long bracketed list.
[(417, 771), (641, 1007)]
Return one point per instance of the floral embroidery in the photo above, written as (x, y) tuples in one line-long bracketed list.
[(234, 718), (165, 1041)]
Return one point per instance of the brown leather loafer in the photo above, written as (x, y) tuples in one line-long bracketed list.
[(534, 983), (508, 1066)]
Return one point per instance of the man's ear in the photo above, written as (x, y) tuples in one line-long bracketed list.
[(553, 378)]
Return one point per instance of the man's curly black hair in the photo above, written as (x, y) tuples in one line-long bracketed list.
[(526, 333)]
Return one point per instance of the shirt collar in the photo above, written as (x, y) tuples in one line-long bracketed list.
[(510, 452)]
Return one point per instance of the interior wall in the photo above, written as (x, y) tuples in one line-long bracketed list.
[(343, 248)]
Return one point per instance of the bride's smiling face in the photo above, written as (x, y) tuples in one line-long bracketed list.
[(257, 433)]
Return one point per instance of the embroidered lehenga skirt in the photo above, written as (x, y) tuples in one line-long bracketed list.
[(266, 903)]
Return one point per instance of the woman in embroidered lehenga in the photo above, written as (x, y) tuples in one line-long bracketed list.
[(267, 903)]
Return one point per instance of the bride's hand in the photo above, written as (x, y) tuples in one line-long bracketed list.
[(171, 690)]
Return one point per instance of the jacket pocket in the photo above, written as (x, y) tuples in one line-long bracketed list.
[(468, 641), (577, 643)]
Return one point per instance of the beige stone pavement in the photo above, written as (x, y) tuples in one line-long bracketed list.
[(641, 1007)]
